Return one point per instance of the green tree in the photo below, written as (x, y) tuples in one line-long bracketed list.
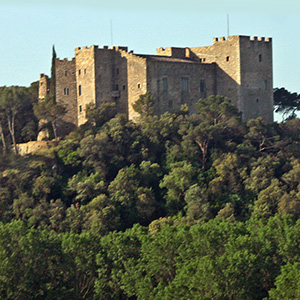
[(13, 100), (51, 111), (286, 103), (287, 283), (144, 105)]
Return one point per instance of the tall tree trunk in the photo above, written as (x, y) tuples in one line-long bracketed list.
[(11, 128), (2, 138), (54, 130)]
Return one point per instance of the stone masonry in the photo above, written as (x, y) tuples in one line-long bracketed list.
[(239, 68)]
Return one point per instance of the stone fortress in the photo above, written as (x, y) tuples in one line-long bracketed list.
[(238, 67)]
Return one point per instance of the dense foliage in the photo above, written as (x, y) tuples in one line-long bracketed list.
[(175, 206)]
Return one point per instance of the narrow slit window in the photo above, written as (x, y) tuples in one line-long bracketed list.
[(80, 108), (202, 86), (66, 73), (260, 58), (139, 85), (79, 90), (227, 58), (165, 84), (184, 84)]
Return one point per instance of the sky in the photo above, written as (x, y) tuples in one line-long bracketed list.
[(29, 29)]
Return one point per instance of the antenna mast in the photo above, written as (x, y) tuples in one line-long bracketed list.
[(227, 25), (111, 33)]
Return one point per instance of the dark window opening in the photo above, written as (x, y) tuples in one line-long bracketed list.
[(203, 59), (124, 87), (202, 86), (257, 100), (66, 73), (260, 58), (79, 72), (117, 87), (227, 58), (139, 85), (80, 108), (79, 90), (84, 71), (66, 91), (200, 60), (165, 84), (184, 84), (41, 83)]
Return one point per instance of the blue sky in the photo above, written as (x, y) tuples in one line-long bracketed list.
[(30, 28)]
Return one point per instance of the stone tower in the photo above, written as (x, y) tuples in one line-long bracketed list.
[(244, 73)]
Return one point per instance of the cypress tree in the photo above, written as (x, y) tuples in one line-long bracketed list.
[(53, 79)]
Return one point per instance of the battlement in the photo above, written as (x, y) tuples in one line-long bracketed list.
[(65, 60), (238, 37), (84, 48), (172, 51), (43, 76), (118, 48)]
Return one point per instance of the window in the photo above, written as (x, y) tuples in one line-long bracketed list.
[(139, 85), (200, 60), (165, 84), (84, 71), (79, 72), (203, 59), (80, 108), (257, 100), (227, 58), (202, 86), (66, 91), (117, 87), (260, 58), (66, 73), (124, 87), (79, 90), (184, 84)]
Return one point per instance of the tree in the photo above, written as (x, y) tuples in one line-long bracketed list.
[(50, 110), (286, 103), (13, 100), (144, 105)]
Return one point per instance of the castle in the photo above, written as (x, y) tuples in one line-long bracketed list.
[(238, 67)]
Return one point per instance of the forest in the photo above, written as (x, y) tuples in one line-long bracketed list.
[(175, 206)]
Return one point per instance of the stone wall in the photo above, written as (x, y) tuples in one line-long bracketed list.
[(174, 83), (257, 78), (226, 54), (43, 86), (85, 79), (32, 147), (66, 94)]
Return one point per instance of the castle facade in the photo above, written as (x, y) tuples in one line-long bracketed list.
[(238, 67)]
